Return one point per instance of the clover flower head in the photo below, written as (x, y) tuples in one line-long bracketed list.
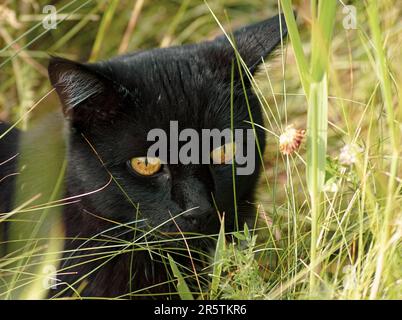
[(290, 140)]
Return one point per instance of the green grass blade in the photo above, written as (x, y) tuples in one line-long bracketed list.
[(321, 37), (218, 263), (104, 25), (294, 35), (182, 288)]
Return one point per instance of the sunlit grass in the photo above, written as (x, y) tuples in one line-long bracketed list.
[(325, 229)]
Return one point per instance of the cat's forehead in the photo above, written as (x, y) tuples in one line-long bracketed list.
[(172, 84), (179, 68)]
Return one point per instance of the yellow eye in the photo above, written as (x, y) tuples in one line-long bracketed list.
[(146, 166), (223, 154)]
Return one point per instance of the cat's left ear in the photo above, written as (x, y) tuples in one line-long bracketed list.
[(253, 42)]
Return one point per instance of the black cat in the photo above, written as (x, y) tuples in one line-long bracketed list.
[(130, 203)]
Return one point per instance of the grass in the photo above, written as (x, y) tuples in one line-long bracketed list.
[(329, 219), (316, 88)]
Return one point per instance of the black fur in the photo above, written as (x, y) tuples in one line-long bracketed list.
[(8, 172), (123, 99)]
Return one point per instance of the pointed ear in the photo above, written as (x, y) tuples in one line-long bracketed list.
[(84, 93), (253, 42)]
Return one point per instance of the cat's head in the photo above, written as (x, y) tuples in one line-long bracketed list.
[(113, 105)]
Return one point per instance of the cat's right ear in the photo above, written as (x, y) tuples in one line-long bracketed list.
[(252, 42), (85, 94)]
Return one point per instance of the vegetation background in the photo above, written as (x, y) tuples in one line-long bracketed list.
[(338, 239)]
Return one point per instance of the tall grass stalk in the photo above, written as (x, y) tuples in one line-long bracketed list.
[(386, 89), (316, 88)]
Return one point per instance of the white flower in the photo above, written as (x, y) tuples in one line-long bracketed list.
[(330, 187), (348, 154)]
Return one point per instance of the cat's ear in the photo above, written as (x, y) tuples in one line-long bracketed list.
[(253, 42), (85, 94)]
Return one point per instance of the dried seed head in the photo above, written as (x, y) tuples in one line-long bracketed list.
[(290, 140), (9, 16)]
